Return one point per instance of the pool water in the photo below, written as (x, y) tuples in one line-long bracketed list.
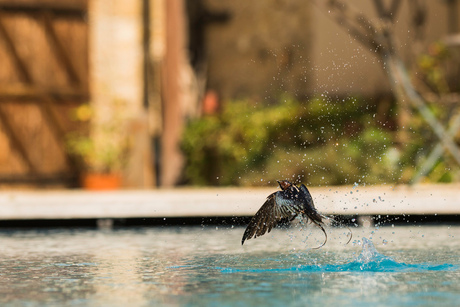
[(207, 266)]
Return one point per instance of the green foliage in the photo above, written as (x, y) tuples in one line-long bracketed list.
[(93, 157), (433, 66), (317, 142)]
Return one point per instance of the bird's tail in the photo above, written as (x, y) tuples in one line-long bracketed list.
[(331, 218)]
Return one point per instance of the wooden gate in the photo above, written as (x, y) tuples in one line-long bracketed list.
[(43, 76)]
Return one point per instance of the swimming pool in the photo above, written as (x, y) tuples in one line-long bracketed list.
[(207, 266)]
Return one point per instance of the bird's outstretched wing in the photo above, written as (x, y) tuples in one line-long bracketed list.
[(268, 216)]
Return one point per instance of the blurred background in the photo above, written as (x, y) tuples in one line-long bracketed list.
[(161, 93)]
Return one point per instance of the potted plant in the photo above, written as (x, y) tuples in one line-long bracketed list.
[(101, 149)]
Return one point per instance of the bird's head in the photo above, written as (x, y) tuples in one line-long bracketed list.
[(284, 184)]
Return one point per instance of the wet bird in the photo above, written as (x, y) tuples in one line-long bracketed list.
[(284, 206)]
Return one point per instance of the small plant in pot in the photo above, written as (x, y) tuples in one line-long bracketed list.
[(101, 149)]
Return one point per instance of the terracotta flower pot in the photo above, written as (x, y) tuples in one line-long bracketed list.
[(100, 182)]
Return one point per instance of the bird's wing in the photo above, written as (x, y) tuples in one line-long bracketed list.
[(269, 215)]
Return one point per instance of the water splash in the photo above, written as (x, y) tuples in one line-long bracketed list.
[(370, 254), (370, 260)]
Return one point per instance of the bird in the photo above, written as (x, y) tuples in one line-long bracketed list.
[(284, 206)]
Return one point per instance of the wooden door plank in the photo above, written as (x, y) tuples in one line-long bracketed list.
[(46, 106), (11, 49), (59, 49), (15, 141)]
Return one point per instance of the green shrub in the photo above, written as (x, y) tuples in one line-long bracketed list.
[(319, 142)]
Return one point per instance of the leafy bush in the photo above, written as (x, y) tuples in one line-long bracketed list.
[(319, 142)]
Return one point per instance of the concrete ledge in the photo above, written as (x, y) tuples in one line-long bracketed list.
[(222, 202)]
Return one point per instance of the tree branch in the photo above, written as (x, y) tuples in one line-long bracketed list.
[(382, 39)]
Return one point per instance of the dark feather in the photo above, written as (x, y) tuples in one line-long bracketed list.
[(268, 216), (309, 206)]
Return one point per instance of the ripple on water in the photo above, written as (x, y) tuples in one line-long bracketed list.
[(370, 260)]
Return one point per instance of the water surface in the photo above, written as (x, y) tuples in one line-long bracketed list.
[(196, 266)]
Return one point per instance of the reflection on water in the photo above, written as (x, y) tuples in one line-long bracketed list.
[(191, 266)]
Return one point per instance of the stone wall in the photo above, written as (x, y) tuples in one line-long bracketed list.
[(269, 47), (116, 81), (263, 49)]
